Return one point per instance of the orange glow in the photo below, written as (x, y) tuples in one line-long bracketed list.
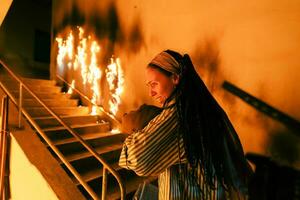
[(115, 79)]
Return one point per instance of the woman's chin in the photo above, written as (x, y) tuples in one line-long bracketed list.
[(158, 103)]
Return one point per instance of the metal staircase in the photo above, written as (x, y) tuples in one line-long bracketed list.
[(75, 138)]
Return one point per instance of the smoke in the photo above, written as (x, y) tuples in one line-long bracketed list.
[(206, 58), (284, 147)]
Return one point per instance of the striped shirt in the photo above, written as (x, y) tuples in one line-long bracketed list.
[(152, 150), (155, 150)]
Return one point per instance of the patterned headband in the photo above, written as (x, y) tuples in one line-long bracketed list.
[(166, 62)]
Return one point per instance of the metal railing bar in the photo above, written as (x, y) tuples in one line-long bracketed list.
[(20, 104), (53, 147), (86, 98), (104, 183), (87, 146), (61, 156), (4, 135)]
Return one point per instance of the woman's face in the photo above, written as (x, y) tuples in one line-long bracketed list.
[(160, 85)]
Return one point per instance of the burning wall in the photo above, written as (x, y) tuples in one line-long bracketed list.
[(255, 45)]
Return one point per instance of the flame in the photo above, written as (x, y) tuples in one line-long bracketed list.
[(95, 76), (65, 48), (114, 131), (70, 91), (115, 79), (84, 58)]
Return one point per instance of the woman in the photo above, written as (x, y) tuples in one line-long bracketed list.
[(191, 145)]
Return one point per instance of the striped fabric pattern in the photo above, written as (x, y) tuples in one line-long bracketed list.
[(154, 151), (155, 148)]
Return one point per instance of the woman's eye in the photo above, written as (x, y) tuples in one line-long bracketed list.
[(152, 84)]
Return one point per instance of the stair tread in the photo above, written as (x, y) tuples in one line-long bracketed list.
[(43, 89), (37, 79), (47, 94), (63, 117), (95, 173), (57, 128), (55, 107), (86, 136), (31, 99), (39, 86), (99, 150)]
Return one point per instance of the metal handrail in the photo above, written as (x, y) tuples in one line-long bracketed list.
[(88, 99), (53, 147)]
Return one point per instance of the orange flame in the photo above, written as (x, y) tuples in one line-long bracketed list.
[(115, 79), (65, 49), (85, 59), (70, 90)]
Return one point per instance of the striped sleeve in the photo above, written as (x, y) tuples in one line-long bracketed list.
[(153, 149)]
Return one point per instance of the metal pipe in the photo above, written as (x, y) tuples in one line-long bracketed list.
[(104, 183), (20, 104), (79, 138)]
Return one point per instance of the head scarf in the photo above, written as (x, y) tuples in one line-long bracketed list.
[(167, 62)]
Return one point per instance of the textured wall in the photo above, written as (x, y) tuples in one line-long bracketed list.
[(254, 45)]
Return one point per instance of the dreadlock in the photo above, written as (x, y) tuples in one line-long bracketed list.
[(204, 127)]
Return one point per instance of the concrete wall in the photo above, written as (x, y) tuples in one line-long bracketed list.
[(4, 8), (17, 36), (253, 44)]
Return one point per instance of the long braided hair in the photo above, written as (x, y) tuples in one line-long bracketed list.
[(210, 140)]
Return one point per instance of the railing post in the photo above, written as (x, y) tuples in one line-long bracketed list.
[(20, 104), (104, 183), (3, 144)]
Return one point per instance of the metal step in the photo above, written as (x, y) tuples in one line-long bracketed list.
[(32, 83), (50, 121), (91, 163), (51, 103), (42, 95), (65, 137), (96, 172), (82, 128), (41, 112), (73, 156), (35, 88), (86, 136), (43, 82)]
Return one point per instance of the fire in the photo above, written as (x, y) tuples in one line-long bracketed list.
[(95, 76), (115, 79), (70, 90), (65, 48), (84, 57)]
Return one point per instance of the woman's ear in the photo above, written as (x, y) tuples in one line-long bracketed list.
[(175, 79)]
